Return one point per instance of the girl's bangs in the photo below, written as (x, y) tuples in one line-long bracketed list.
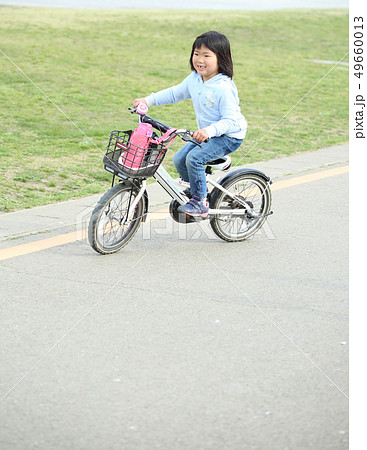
[(200, 41)]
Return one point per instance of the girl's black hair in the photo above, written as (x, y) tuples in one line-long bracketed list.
[(219, 44)]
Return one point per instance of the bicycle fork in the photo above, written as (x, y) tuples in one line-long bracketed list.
[(132, 206)]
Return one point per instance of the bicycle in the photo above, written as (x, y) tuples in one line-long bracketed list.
[(239, 202)]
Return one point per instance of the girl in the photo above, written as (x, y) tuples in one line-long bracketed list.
[(218, 115)]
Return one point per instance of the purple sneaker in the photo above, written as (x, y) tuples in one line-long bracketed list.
[(195, 208)]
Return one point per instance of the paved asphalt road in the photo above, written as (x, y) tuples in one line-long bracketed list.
[(182, 341)]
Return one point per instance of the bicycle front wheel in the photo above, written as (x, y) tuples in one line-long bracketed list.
[(250, 188), (110, 227)]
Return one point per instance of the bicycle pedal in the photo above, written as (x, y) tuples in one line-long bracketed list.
[(196, 218)]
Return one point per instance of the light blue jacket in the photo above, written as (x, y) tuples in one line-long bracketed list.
[(215, 102)]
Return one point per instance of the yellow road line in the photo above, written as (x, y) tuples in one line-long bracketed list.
[(37, 246), (44, 244), (308, 178)]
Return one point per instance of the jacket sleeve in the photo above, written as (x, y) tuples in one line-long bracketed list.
[(170, 95)]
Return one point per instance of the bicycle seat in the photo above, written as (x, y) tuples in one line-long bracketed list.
[(224, 163)]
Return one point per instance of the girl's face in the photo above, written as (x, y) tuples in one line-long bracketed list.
[(205, 63)]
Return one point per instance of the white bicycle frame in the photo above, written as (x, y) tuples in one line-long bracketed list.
[(171, 186)]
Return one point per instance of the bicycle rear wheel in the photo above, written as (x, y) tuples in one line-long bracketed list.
[(250, 188), (109, 230)]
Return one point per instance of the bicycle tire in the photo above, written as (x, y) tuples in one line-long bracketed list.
[(106, 232), (253, 189)]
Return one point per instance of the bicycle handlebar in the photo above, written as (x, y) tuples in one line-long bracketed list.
[(185, 135)]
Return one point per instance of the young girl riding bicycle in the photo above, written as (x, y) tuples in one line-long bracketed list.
[(221, 125)]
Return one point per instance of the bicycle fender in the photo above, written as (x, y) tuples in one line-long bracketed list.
[(243, 170)]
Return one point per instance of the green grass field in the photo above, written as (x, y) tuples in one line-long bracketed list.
[(93, 63)]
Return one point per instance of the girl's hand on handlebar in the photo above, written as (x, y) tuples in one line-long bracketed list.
[(201, 135), (139, 100)]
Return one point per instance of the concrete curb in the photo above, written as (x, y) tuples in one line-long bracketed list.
[(66, 214)]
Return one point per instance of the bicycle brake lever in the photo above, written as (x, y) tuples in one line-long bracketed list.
[(196, 143), (187, 137)]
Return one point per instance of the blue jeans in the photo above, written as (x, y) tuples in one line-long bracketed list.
[(190, 159)]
